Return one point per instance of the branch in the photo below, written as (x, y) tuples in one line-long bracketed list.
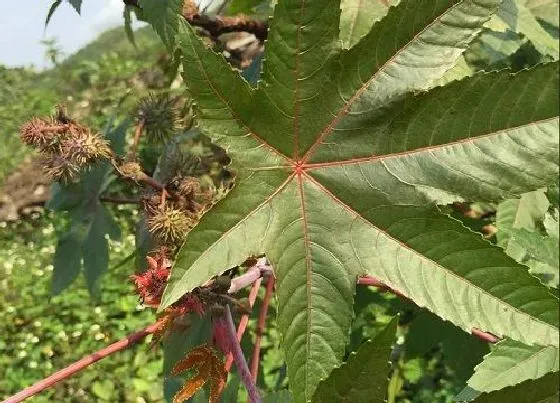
[(81, 364), (118, 200), (260, 327), (244, 319), (219, 25), (375, 282), (137, 133), (240, 361)]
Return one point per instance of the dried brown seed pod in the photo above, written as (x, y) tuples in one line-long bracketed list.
[(132, 170), (60, 168), (85, 147)]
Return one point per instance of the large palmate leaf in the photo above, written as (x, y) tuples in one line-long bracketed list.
[(340, 162)]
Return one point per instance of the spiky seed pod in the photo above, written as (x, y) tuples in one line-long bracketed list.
[(42, 133), (169, 224), (151, 202), (60, 168), (189, 186), (85, 147), (159, 116), (61, 116), (132, 170)]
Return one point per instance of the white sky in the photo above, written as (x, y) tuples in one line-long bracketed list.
[(22, 25)]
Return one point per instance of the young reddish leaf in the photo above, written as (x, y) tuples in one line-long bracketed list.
[(208, 368)]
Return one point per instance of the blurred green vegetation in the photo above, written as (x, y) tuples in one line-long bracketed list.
[(40, 333)]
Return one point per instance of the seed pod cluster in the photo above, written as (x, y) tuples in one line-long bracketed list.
[(159, 117), (170, 219), (67, 147)]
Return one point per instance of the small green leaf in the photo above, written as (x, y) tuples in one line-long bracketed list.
[(127, 14), (77, 4), (52, 9), (177, 344), (358, 16), (163, 16), (96, 248), (542, 390), (364, 377), (90, 222), (520, 19), (104, 389), (512, 362), (68, 257)]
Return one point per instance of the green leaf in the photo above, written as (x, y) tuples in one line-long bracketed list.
[(542, 390), (89, 222), (525, 212), (358, 16), (177, 344), (340, 160), (364, 377), (96, 248), (52, 9), (163, 16), (282, 396), (539, 253), (544, 10), (68, 258), (520, 19), (522, 213), (461, 351), (77, 4), (104, 389), (127, 14), (510, 363), (519, 223)]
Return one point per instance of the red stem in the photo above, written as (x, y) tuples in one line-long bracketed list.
[(375, 282), (260, 327), (244, 319), (240, 361), (137, 134), (81, 364)]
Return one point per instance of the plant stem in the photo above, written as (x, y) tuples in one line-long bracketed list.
[(137, 133), (260, 327), (240, 361), (81, 364), (375, 282), (244, 318), (118, 200), (250, 276)]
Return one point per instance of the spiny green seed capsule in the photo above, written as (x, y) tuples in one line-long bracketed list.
[(159, 117), (170, 225)]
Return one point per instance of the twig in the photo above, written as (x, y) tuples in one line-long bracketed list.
[(219, 25), (250, 276), (81, 364), (240, 361), (260, 327), (244, 319), (118, 200), (375, 282), (137, 133)]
